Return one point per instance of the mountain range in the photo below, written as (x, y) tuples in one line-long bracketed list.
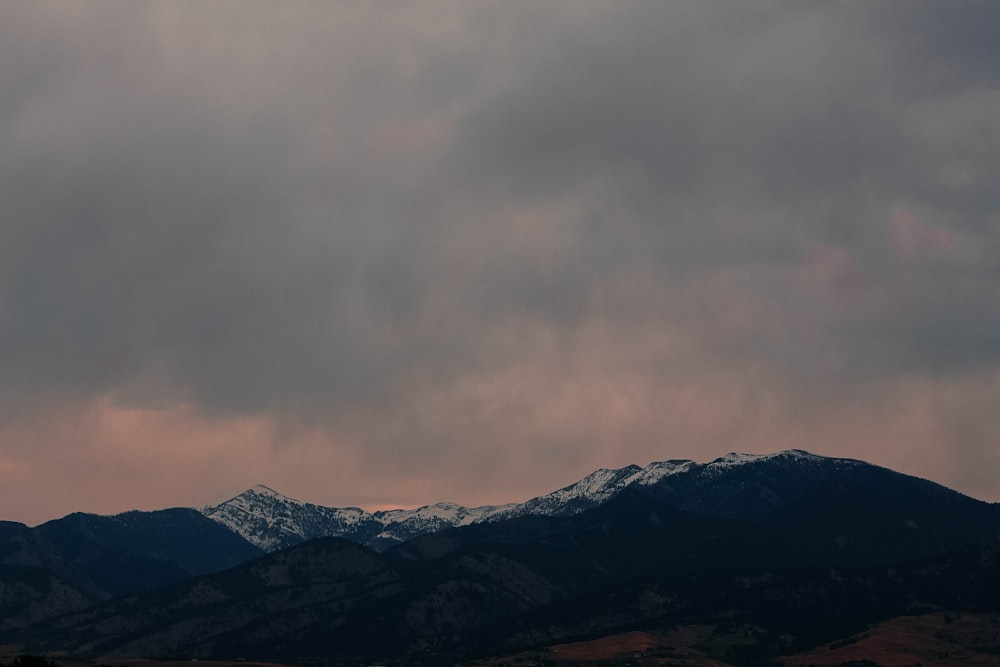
[(271, 521), (801, 547)]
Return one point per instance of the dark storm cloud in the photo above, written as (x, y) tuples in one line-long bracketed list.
[(535, 229), (185, 218), (712, 136)]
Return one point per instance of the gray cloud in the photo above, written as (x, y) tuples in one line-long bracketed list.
[(472, 230)]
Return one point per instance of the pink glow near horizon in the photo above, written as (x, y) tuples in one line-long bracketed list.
[(151, 459)]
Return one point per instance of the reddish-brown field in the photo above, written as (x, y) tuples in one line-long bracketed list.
[(674, 647), (605, 648), (932, 640), (640, 648)]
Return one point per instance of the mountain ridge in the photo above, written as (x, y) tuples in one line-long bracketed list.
[(272, 521)]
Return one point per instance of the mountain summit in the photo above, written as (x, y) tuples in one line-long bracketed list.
[(272, 521)]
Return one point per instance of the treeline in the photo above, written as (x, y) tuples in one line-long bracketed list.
[(29, 661), (38, 661)]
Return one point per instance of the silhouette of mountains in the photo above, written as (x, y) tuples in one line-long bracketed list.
[(806, 547)]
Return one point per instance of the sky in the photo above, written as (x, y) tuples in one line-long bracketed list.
[(385, 254)]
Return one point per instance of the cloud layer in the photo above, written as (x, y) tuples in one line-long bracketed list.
[(380, 254)]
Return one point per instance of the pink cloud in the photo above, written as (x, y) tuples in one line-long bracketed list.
[(835, 267), (105, 458), (913, 238)]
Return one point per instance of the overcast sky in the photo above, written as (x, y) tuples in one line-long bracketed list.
[(385, 254)]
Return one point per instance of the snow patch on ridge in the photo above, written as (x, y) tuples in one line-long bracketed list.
[(659, 470), (735, 459)]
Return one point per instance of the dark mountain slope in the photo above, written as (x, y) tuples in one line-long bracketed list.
[(130, 552), (29, 594), (305, 601), (270, 599), (837, 510), (9, 529), (790, 610), (196, 545)]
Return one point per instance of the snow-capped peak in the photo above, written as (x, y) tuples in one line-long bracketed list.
[(241, 498), (271, 520), (263, 490)]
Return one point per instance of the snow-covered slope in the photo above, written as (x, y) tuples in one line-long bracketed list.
[(272, 521), (734, 460)]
